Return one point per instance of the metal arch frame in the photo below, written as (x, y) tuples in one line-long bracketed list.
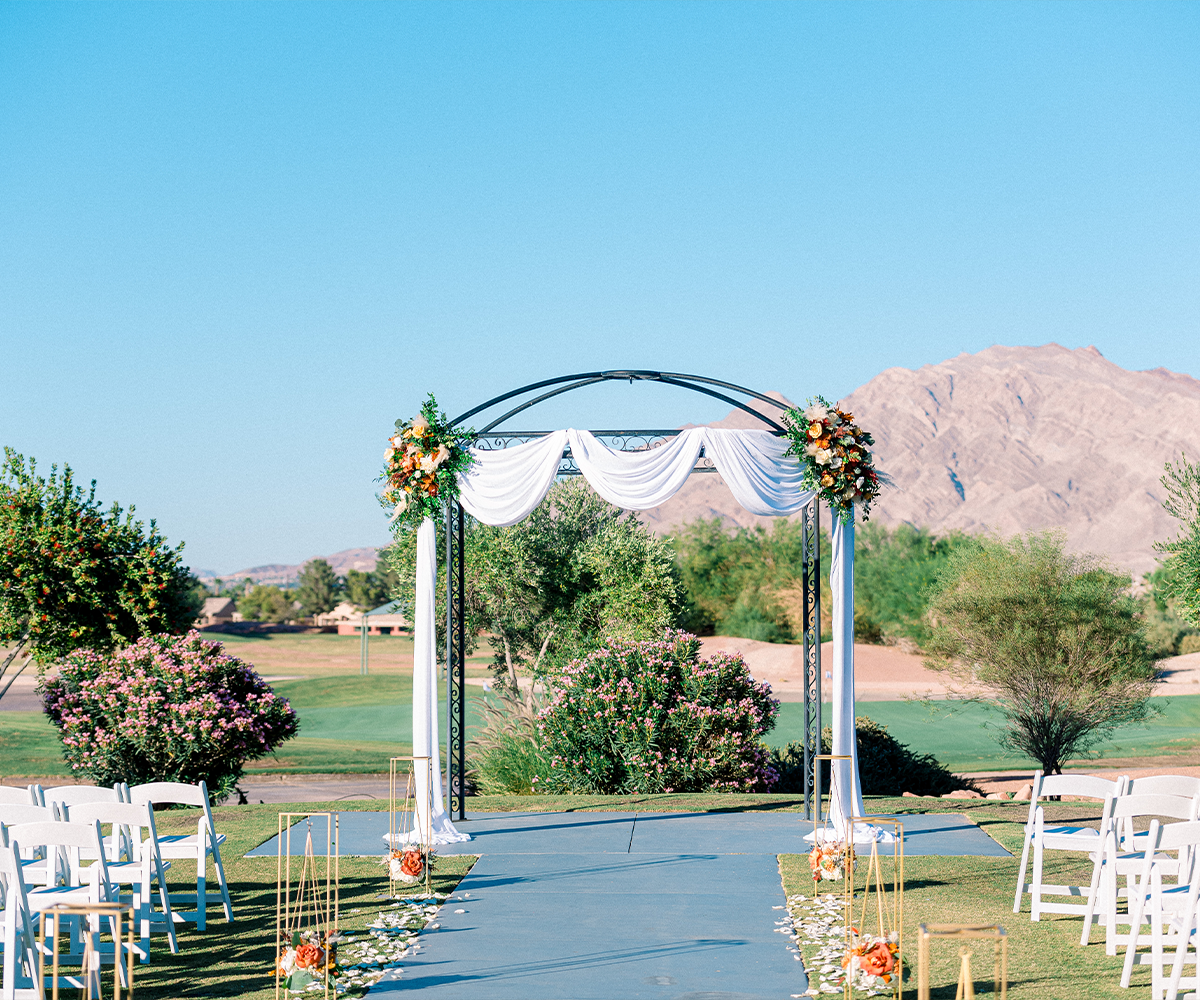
[(623, 440)]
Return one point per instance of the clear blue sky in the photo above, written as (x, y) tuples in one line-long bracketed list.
[(238, 240)]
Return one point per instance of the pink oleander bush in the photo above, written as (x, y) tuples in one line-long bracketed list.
[(166, 708), (639, 717)]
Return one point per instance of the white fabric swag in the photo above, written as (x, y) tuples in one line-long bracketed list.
[(503, 487)]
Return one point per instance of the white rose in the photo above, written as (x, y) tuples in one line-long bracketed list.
[(823, 456), (288, 962), (387, 455), (397, 441), (427, 463)]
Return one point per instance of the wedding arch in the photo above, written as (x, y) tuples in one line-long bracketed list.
[(510, 472)]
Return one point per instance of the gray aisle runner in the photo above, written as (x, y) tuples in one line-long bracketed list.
[(618, 906)]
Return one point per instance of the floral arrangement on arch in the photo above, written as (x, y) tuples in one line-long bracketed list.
[(309, 958), (872, 961), (837, 458), (422, 462), (828, 860), (407, 864)]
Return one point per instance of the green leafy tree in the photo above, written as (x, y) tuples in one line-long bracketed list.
[(266, 603), (1054, 639), (1182, 565), (318, 588), (76, 576), (747, 582), (370, 589), (573, 575), (1166, 629)]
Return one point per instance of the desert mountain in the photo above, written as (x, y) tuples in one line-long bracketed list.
[(361, 559), (1013, 439)]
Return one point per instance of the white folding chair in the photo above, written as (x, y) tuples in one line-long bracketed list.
[(1123, 855), (1079, 839), (83, 883), (72, 795), (1164, 784), (1171, 908), (198, 846), (133, 824), (34, 860), (17, 933), (12, 795)]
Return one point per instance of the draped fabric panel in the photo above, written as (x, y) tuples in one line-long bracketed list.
[(503, 487), (425, 713)]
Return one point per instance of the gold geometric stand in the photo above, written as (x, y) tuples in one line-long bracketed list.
[(403, 821), (89, 981), (883, 899), (966, 978), (307, 912)]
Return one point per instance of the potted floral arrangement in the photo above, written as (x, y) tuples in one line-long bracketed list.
[(872, 961), (422, 462), (828, 860), (408, 864), (308, 959), (836, 456)]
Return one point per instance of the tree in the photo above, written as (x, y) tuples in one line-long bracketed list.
[(1055, 640), (1182, 483), (74, 575), (574, 574), (371, 589), (318, 587), (265, 603)]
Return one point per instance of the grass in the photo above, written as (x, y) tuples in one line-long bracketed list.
[(962, 736), (235, 960), (1045, 959)]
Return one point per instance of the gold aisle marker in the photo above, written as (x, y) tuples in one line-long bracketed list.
[(312, 908), (398, 820), (90, 982), (963, 933)]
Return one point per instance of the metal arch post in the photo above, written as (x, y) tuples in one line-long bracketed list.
[(810, 537), (456, 661)]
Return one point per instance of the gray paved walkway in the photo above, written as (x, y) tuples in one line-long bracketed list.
[(610, 906)]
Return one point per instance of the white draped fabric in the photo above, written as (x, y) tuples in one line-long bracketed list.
[(425, 714), (503, 487)]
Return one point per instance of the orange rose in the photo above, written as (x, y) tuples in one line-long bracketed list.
[(879, 960), (310, 956), (412, 864)]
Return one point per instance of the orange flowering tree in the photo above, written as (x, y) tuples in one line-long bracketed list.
[(836, 456), (422, 462)]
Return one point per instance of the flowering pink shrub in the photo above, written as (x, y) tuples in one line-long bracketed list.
[(643, 717), (166, 708)]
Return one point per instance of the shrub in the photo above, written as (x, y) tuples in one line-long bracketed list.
[(506, 755), (642, 717), (885, 765), (166, 708)]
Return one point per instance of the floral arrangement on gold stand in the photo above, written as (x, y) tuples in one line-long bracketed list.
[(307, 905), (410, 857), (421, 465), (836, 456), (874, 963)]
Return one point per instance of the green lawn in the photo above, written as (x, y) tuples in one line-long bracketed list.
[(1045, 960), (963, 735)]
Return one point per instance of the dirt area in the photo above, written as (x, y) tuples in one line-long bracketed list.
[(886, 673)]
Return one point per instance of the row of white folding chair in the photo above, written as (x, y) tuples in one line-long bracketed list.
[(18, 796), (1079, 839), (1123, 854), (198, 847), (82, 883), (1171, 908)]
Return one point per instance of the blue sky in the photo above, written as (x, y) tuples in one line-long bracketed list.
[(238, 240)]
